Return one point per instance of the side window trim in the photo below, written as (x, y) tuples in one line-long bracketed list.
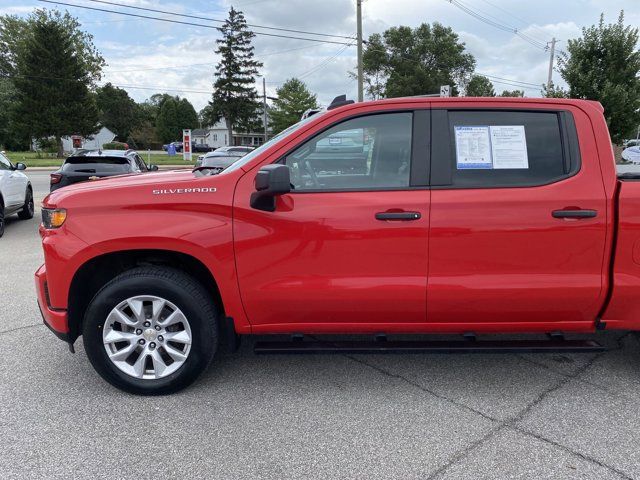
[(420, 149), (441, 171), (441, 148)]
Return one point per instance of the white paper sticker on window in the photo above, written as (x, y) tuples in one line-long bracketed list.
[(509, 147), (473, 147)]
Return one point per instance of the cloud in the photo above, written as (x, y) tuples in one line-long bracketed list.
[(180, 59), (16, 10)]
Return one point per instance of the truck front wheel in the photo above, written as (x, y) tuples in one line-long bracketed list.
[(151, 330)]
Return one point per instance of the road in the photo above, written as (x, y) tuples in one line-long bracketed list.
[(334, 416)]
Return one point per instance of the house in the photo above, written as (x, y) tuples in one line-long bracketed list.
[(93, 142), (217, 136), (74, 142)]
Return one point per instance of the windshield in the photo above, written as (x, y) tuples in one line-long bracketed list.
[(258, 151)]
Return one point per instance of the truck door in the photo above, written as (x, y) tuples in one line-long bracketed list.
[(518, 219), (348, 245)]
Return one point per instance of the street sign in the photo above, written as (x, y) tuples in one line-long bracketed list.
[(186, 145), (445, 91)]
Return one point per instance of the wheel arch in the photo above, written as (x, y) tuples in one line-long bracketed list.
[(92, 275)]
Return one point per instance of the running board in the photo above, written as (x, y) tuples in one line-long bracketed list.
[(387, 346)]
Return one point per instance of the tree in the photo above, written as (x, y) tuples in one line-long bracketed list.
[(552, 91), (604, 65), (512, 93), (10, 137), (12, 34), (15, 30), (175, 114), (405, 61), (117, 110), (293, 100), (480, 86), (234, 95), (56, 66)]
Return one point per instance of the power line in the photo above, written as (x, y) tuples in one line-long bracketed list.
[(525, 22), (103, 83), (509, 80), (323, 63), (515, 85), (168, 20), (498, 24), (185, 15), (173, 67)]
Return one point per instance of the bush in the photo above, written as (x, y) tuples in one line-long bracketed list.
[(115, 146), (48, 145)]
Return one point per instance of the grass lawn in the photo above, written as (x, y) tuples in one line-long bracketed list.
[(31, 159)]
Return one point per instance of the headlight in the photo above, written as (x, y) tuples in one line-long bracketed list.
[(53, 217)]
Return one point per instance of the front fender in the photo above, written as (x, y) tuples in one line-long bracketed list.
[(203, 232)]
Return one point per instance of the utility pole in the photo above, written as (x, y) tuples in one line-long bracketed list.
[(359, 27), (264, 108), (553, 51)]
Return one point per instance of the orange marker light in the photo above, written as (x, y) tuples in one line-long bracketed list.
[(53, 218)]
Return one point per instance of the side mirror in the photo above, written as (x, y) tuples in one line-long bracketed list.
[(21, 166), (271, 181), (153, 168)]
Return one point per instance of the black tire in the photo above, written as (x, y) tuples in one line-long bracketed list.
[(175, 286), (1, 219), (28, 208)]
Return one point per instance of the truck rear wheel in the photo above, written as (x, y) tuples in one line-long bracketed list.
[(151, 331)]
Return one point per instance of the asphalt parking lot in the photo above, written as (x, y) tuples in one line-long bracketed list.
[(333, 416)]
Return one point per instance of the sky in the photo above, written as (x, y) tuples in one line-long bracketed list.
[(147, 56)]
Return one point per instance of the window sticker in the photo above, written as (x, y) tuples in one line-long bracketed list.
[(473, 147), (509, 147), (491, 147)]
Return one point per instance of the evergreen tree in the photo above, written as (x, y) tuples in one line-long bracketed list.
[(175, 114), (604, 65), (54, 79), (234, 96), (480, 86), (293, 100), (117, 110), (10, 138)]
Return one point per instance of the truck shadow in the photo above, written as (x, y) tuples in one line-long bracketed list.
[(497, 385)]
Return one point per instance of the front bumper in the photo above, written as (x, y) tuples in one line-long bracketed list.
[(55, 318)]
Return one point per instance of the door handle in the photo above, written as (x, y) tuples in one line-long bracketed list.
[(404, 216), (579, 213)]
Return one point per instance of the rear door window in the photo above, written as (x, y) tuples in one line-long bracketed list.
[(502, 148)]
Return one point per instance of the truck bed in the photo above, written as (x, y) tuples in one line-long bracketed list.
[(622, 310)]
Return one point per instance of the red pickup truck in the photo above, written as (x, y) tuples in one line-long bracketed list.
[(463, 216)]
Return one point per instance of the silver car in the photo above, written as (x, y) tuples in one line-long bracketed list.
[(16, 193), (222, 157)]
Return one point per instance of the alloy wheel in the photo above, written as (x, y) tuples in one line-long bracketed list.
[(147, 337)]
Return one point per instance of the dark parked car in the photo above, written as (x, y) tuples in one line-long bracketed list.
[(94, 164), (201, 147), (195, 147)]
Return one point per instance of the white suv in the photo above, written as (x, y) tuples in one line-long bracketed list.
[(16, 194)]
